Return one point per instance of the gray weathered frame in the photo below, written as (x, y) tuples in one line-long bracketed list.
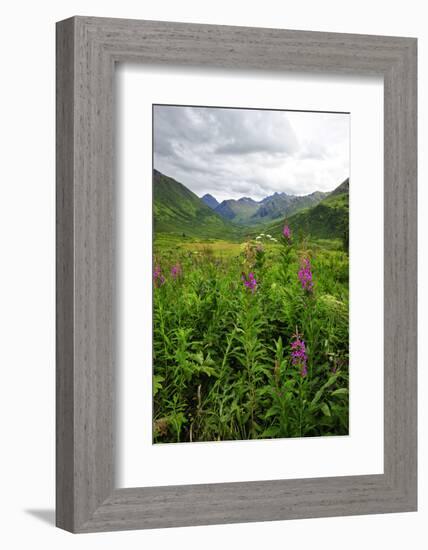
[(87, 50)]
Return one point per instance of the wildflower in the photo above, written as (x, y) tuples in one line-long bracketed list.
[(250, 282), (305, 275), (287, 232), (298, 354), (176, 271), (158, 278)]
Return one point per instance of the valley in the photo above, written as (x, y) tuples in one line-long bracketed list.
[(250, 315), (178, 211)]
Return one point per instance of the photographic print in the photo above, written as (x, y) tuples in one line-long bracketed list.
[(250, 274)]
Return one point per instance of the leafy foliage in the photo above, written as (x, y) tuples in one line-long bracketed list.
[(223, 366)]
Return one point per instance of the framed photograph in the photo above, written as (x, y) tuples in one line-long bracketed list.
[(236, 274), (251, 292)]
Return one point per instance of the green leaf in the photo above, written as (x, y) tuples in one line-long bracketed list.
[(157, 383), (341, 392), (199, 357), (273, 411), (330, 381), (325, 409), (272, 431), (317, 396), (319, 393), (209, 371)]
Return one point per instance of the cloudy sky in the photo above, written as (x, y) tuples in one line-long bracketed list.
[(232, 153)]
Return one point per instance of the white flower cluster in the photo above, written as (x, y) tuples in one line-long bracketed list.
[(266, 237)]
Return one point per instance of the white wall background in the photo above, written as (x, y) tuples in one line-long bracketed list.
[(27, 272)]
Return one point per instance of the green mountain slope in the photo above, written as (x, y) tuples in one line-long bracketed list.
[(238, 210), (343, 188), (178, 210), (329, 219)]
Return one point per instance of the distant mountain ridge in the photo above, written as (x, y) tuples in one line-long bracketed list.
[(282, 204), (210, 201), (343, 188), (247, 211)]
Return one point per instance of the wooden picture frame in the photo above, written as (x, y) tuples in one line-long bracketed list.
[(87, 50)]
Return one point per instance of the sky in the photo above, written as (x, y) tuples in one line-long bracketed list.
[(233, 153)]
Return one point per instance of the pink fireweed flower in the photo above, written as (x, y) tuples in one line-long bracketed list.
[(158, 278), (250, 282), (298, 354), (305, 275), (287, 232), (176, 271)]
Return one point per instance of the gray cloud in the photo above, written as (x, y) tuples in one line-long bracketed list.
[(235, 152)]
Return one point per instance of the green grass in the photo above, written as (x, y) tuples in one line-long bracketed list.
[(222, 354)]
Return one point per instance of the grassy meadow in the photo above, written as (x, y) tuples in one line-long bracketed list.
[(251, 330)]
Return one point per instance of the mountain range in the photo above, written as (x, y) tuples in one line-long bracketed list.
[(178, 210), (247, 211)]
